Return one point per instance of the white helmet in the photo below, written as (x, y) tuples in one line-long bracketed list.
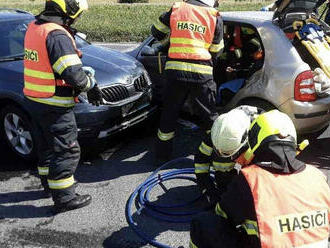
[(229, 132), (208, 2)]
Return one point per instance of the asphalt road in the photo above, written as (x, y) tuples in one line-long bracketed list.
[(110, 176)]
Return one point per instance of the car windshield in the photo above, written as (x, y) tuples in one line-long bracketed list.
[(12, 39)]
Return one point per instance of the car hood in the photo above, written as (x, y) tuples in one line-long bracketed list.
[(111, 67)]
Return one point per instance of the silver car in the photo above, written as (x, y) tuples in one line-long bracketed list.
[(282, 79)]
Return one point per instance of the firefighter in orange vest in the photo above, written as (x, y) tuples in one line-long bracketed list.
[(277, 201), (53, 76), (224, 149), (194, 28)]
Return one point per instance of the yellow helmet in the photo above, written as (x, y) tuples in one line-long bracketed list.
[(71, 8), (271, 126)]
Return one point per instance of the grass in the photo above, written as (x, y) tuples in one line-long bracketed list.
[(108, 21)]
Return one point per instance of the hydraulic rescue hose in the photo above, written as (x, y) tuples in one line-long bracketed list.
[(161, 212)]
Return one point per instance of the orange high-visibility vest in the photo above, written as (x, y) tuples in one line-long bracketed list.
[(192, 31), (293, 210), (39, 78)]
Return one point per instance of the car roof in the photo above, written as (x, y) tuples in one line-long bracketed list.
[(253, 17), (7, 14)]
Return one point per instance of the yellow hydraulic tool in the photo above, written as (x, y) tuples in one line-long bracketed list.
[(315, 40)]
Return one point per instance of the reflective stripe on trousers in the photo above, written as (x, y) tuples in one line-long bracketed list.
[(61, 183), (43, 171), (165, 136)]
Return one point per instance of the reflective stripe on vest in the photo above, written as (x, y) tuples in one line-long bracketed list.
[(192, 31), (292, 210), (39, 79), (183, 66), (55, 101), (61, 183)]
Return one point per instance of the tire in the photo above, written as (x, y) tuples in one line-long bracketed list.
[(17, 130)]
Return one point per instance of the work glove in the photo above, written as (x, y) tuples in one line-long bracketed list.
[(90, 72), (321, 82), (94, 96)]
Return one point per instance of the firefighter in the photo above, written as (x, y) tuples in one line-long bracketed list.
[(221, 149), (277, 201), (196, 39), (53, 77), (242, 56)]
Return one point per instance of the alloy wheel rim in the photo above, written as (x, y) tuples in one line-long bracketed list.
[(17, 134)]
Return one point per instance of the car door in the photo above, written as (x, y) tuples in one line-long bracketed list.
[(154, 60)]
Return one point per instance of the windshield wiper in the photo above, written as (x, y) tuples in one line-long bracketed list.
[(19, 57)]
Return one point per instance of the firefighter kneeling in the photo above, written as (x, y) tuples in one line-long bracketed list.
[(277, 201)]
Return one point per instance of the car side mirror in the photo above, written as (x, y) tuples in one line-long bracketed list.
[(148, 51), (81, 35)]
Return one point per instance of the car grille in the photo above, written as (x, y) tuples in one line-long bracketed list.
[(141, 83), (115, 93)]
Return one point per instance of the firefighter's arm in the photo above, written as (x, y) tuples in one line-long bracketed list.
[(236, 204), (65, 61), (202, 162), (161, 28), (217, 46)]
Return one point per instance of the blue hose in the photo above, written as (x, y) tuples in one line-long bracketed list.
[(161, 212)]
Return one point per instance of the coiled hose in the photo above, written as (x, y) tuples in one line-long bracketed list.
[(161, 212)]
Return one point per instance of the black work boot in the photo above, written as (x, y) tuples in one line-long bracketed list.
[(46, 191), (78, 202)]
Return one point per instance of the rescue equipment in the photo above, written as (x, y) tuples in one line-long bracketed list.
[(313, 38), (167, 213)]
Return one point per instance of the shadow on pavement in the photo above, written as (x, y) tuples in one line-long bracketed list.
[(135, 155), (152, 227), (24, 211)]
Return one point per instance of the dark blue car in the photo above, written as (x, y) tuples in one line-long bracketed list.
[(124, 82)]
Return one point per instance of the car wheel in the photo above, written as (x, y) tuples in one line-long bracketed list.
[(18, 132)]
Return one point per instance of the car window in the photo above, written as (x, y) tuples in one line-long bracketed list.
[(12, 38), (243, 54)]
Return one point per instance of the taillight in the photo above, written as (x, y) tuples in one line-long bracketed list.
[(304, 88)]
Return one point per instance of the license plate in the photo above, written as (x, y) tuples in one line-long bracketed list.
[(126, 109)]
